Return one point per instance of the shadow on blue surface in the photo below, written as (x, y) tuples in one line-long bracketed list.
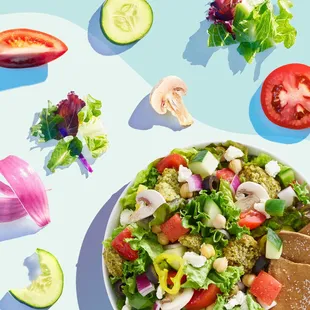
[(98, 40), (90, 287), (198, 53), (12, 78), (8, 302), (18, 228), (266, 129), (144, 117)]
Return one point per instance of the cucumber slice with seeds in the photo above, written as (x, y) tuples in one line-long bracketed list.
[(44, 291), (126, 21)]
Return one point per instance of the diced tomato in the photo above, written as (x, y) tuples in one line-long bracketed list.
[(251, 219), (122, 247), (172, 274), (171, 161), (22, 48), (173, 228), (285, 96), (203, 298), (266, 288), (225, 174)]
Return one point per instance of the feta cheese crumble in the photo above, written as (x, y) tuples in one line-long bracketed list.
[(233, 153), (184, 174), (238, 299), (260, 207), (194, 259), (273, 168)]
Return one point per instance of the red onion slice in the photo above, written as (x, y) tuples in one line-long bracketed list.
[(235, 183), (6, 190), (144, 285), (194, 183), (27, 187), (11, 209)]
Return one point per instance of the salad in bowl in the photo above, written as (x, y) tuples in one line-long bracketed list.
[(210, 227)]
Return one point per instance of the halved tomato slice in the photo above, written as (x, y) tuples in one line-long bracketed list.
[(225, 174), (251, 219), (285, 96), (23, 48), (171, 161)]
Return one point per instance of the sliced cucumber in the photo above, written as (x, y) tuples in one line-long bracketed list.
[(275, 207), (179, 251), (126, 21), (212, 209), (204, 163), (286, 177), (44, 291), (274, 245)]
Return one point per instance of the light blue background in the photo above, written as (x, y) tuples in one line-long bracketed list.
[(221, 85), (223, 94)]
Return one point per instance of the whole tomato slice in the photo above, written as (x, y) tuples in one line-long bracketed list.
[(171, 161), (122, 247), (203, 298), (225, 174), (23, 48), (172, 274), (251, 219), (285, 96)]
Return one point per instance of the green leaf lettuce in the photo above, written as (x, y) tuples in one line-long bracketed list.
[(65, 153)]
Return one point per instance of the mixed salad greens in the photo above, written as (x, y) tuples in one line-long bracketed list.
[(64, 122), (199, 227), (252, 24)]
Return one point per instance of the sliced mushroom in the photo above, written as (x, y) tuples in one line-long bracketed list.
[(180, 300), (167, 96), (149, 200), (249, 193)]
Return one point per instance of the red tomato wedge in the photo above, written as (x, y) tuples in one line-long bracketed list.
[(171, 161), (225, 174), (203, 298), (251, 219), (23, 48), (285, 96), (173, 228), (122, 247), (266, 288), (172, 274)]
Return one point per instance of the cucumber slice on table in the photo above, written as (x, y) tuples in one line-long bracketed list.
[(126, 21), (47, 288)]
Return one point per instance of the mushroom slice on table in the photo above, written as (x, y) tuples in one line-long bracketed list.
[(149, 200), (249, 193), (167, 96)]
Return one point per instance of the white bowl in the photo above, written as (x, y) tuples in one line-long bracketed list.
[(115, 214)]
